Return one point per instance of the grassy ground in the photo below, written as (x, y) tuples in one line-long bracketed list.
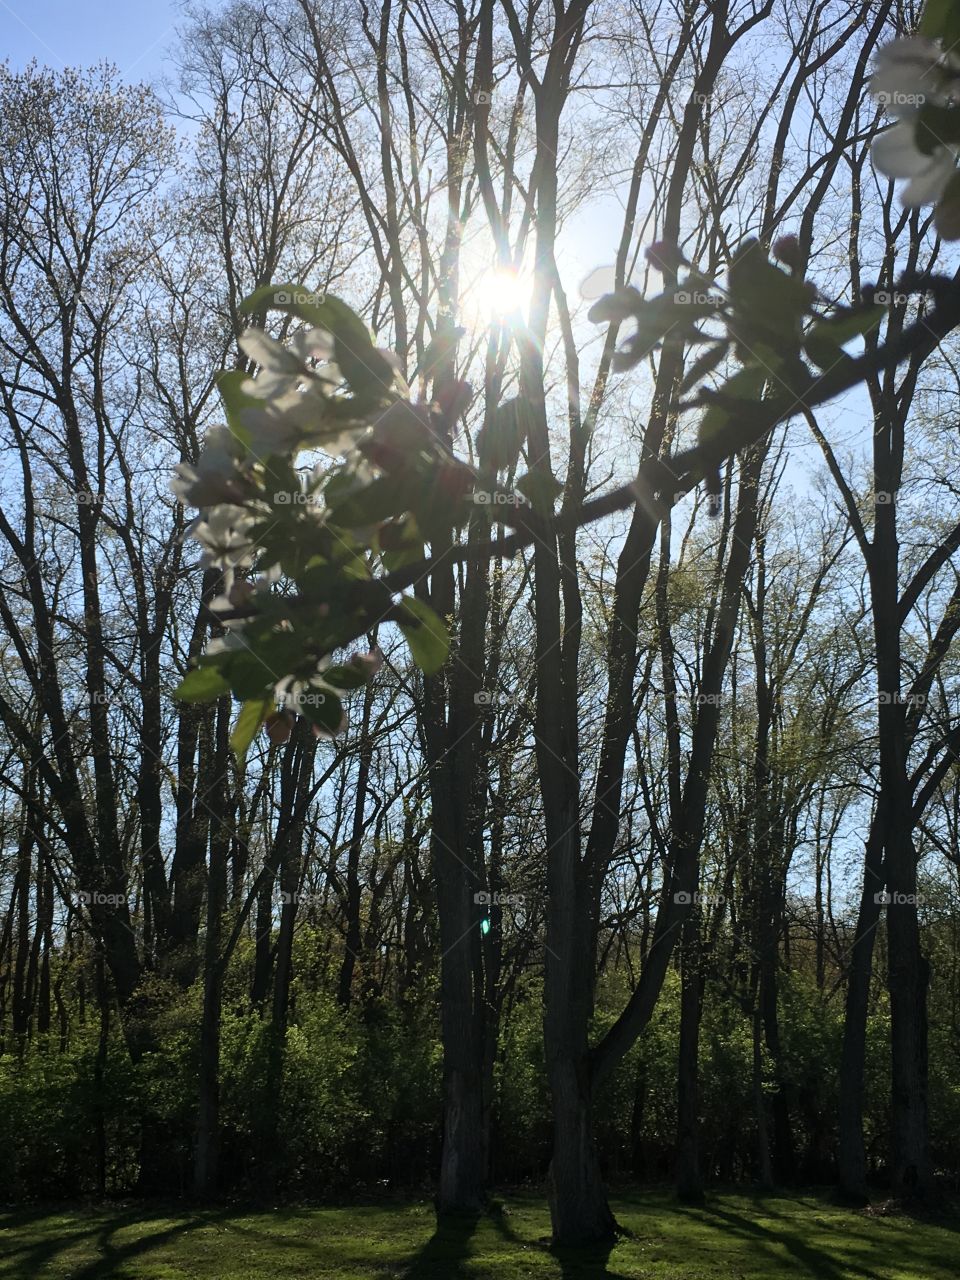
[(736, 1237)]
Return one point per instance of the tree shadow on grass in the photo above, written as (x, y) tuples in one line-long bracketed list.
[(443, 1254), (111, 1256), (819, 1264), (586, 1263)]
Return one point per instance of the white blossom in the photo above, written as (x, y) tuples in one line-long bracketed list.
[(295, 694), (896, 154), (216, 477), (229, 643), (224, 534), (295, 410), (283, 368), (912, 73), (295, 420)]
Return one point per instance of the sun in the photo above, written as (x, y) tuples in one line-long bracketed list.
[(497, 296)]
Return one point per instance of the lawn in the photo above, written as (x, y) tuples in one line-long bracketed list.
[(737, 1237)]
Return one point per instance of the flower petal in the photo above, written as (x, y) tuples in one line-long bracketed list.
[(927, 187), (896, 153)]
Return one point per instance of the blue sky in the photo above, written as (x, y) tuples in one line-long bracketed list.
[(129, 33), (136, 37)]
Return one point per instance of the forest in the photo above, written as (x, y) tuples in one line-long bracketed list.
[(479, 582)]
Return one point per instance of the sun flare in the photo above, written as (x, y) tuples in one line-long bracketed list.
[(497, 295)]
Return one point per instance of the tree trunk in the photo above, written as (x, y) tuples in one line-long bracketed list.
[(852, 1156), (206, 1164), (764, 1163), (578, 1202), (908, 978), (689, 1180)]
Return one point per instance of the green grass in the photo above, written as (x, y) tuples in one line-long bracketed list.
[(733, 1237)]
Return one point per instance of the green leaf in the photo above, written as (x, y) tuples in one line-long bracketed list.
[(203, 684), (251, 717), (440, 349), (767, 302), (541, 489), (678, 311), (426, 634), (941, 18), (614, 308), (323, 709), (400, 543), (703, 366), (364, 368), (235, 401), (824, 341), (847, 323), (344, 677), (266, 660), (824, 350), (321, 310), (746, 384), (382, 498)]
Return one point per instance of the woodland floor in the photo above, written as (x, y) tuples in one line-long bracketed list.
[(734, 1236)]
